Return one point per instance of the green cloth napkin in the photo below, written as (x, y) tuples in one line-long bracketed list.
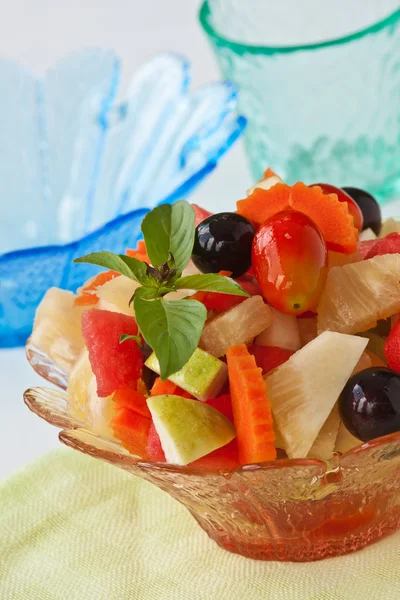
[(75, 528)]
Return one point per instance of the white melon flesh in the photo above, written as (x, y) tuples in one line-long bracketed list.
[(236, 326), (188, 429), (84, 403), (357, 295), (324, 444), (57, 328), (345, 441), (203, 376), (283, 332), (304, 390)]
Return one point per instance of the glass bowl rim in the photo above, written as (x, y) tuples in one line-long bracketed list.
[(325, 465), (243, 48)]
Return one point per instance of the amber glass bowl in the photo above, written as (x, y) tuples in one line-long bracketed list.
[(287, 510)]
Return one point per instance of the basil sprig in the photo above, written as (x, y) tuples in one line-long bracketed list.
[(171, 327)]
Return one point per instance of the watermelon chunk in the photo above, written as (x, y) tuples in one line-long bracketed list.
[(269, 357), (392, 347), (223, 403), (365, 247), (201, 214), (114, 365), (387, 245)]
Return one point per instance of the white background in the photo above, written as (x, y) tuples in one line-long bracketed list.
[(37, 33)]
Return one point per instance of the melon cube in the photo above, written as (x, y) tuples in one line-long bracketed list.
[(203, 376)]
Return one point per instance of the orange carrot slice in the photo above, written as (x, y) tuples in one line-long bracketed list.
[(263, 204), (140, 253), (328, 213), (251, 407), (331, 216)]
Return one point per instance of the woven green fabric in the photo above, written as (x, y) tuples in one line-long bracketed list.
[(73, 528)]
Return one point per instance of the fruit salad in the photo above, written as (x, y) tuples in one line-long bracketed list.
[(228, 339)]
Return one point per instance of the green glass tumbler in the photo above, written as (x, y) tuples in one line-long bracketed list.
[(328, 110)]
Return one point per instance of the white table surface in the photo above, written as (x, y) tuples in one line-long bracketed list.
[(37, 33)]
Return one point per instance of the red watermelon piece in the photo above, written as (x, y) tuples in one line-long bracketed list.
[(223, 403), (201, 214), (132, 430), (365, 247), (155, 452), (392, 347), (269, 357), (114, 365), (390, 244)]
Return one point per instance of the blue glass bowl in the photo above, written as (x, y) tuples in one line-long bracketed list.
[(79, 170)]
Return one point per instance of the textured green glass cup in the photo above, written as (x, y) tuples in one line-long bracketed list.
[(327, 111)]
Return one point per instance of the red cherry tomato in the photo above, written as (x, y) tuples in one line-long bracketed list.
[(354, 209), (290, 260)]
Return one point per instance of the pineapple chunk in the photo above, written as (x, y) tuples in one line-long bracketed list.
[(338, 259), (324, 443), (57, 328), (84, 403), (304, 390), (283, 332), (389, 226), (236, 326), (345, 441), (202, 376), (357, 295), (115, 295)]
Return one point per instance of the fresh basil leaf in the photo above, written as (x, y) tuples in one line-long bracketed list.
[(127, 336), (169, 229), (172, 328), (211, 282), (126, 265)]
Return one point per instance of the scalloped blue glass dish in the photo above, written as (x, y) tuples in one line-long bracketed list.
[(80, 170)]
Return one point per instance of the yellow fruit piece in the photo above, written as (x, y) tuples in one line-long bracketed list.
[(84, 403), (338, 259), (238, 325), (357, 295), (115, 295), (57, 328), (345, 441), (389, 226)]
